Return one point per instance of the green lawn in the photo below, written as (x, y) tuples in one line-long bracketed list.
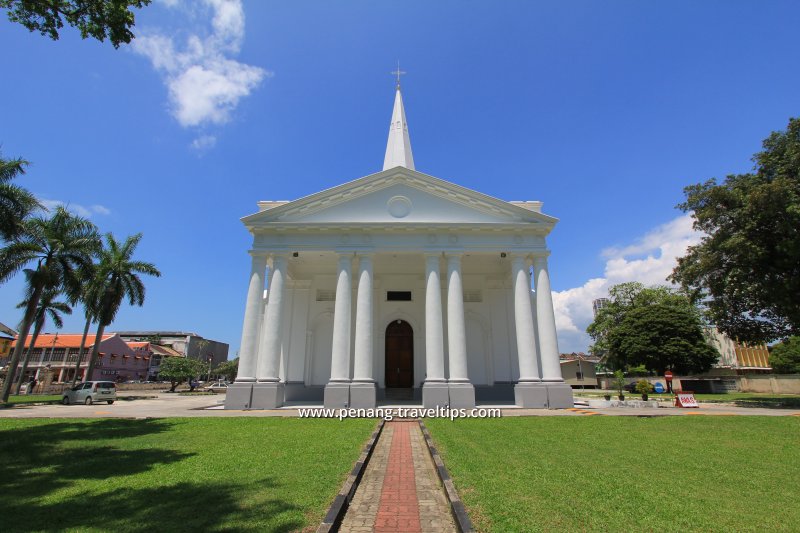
[(33, 398), (742, 399), (180, 474), (625, 474)]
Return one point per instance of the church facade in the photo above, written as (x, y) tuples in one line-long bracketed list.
[(399, 286)]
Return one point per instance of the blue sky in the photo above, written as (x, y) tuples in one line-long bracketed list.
[(602, 110)]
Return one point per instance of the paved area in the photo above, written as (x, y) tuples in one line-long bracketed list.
[(400, 490), (162, 405)]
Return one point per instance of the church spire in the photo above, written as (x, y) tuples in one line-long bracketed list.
[(398, 147)]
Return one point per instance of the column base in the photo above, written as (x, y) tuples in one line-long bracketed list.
[(337, 395), (435, 394), (530, 395), (239, 395), (559, 396), (267, 395), (363, 395), (462, 395)]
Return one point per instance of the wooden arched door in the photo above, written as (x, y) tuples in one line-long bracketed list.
[(399, 355)]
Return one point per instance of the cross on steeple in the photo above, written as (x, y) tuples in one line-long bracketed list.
[(398, 73)]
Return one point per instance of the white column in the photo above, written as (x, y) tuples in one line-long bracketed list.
[(269, 354), (456, 333), (248, 351), (523, 319), (546, 322), (362, 366), (434, 336), (340, 348)]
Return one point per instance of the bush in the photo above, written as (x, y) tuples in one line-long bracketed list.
[(644, 387)]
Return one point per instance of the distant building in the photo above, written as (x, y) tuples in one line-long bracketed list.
[(598, 304), (7, 336), (59, 353), (156, 353), (740, 357), (186, 344), (579, 369)]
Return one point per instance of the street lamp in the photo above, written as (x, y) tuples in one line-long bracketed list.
[(210, 358)]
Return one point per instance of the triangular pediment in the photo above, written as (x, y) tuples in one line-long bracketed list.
[(396, 196)]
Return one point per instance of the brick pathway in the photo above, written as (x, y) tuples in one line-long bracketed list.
[(400, 490)]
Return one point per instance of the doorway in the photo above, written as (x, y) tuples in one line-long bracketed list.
[(399, 355)]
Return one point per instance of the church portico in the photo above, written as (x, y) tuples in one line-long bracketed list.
[(402, 283)]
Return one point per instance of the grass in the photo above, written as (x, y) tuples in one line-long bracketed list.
[(741, 399), (15, 399), (180, 474), (625, 474)]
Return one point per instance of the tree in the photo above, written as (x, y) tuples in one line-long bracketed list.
[(100, 19), (656, 327), (16, 203), (746, 269), (116, 278), (228, 369), (85, 296), (59, 246), (48, 306), (785, 356), (662, 337), (179, 369)]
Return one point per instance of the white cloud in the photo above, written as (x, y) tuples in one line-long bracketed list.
[(205, 84), (204, 142), (649, 260), (77, 209)]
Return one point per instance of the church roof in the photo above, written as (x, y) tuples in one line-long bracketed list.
[(398, 147), (401, 189)]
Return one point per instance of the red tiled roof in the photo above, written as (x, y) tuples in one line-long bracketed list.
[(66, 340)]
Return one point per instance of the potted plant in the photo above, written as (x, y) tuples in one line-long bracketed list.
[(644, 387), (607, 396), (619, 384)]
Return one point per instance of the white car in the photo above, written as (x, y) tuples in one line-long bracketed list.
[(89, 392)]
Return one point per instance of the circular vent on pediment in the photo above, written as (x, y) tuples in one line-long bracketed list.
[(399, 206)]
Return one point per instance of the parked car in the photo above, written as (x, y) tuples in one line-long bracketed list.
[(89, 392), (217, 386)]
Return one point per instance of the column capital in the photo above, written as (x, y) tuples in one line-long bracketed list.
[(540, 260)]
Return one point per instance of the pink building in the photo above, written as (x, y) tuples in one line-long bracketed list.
[(116, 361)]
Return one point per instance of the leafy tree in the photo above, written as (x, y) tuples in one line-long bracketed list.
[(101, 19), (654, 327), (48, 306), (59, 246), (116, 278), (179, 369), (746, 270), (16, 203), (228, 369), (662, 337), (785, 356)]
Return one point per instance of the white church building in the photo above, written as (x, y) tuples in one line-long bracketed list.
[(399, 286)]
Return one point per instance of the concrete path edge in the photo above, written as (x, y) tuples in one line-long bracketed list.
[(333, 518), (457, 509)]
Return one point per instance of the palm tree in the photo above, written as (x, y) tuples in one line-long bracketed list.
[(59, 246), (116, 278), (16, 203), (47, 306), (84, 296)]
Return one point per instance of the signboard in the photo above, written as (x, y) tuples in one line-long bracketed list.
[(668, 375), (685, 399), (658, 387)]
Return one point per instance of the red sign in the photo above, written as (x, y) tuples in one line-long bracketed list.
[(668, 375), (686, 399)]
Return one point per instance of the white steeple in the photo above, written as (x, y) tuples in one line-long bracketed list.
[(398, 148)]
